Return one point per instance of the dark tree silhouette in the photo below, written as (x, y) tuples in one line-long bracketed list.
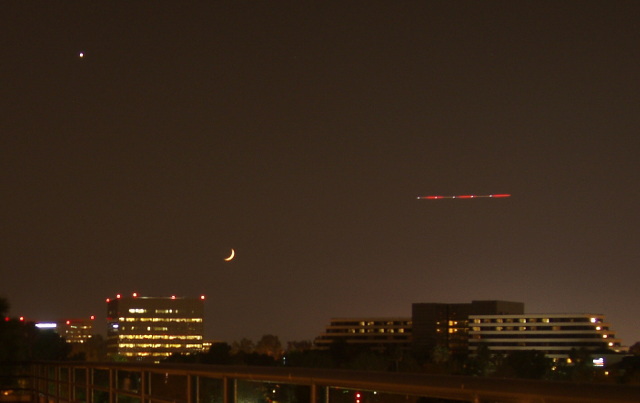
[(530, 364)]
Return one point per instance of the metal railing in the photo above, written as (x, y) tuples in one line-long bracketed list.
[(141, 383)]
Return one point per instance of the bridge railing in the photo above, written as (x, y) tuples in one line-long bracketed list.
[(62, 382)]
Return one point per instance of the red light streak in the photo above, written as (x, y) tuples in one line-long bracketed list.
[(491, 196)]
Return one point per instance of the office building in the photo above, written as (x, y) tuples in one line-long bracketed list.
[(153, 328), (76, 330), (379, 334), (447, 325), (554, 334)]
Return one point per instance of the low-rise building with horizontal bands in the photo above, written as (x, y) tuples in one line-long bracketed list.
[(377, 333), (153, 328), (554, 334)]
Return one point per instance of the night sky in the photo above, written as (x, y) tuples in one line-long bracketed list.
[(300, 135)]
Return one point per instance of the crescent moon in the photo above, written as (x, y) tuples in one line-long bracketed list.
[(233, 254)]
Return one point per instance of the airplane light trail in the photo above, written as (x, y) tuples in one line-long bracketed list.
[(463, 196)]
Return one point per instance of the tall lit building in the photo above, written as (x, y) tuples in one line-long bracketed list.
[(554, 334), (153, 328)]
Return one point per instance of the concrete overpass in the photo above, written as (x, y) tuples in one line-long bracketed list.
[(138, 383)]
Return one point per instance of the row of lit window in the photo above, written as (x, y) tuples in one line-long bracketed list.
[(536, 320), (551, 345), (148, 328), (451, 330), (541, 335), (158, 337), (158, 345), (376, 331), (160, 319), (571, 329), (142, 310), (145, 354)]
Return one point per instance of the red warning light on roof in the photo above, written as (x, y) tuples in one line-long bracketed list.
[(173, 297), (135, 294), (118, 296), (93, 317), (202, 297)]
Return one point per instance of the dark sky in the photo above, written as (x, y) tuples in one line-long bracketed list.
[(301, 135)]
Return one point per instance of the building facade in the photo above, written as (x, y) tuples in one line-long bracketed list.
[(375, 333), (74, 331), (447, 325), (153, 328), (554, 334)]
